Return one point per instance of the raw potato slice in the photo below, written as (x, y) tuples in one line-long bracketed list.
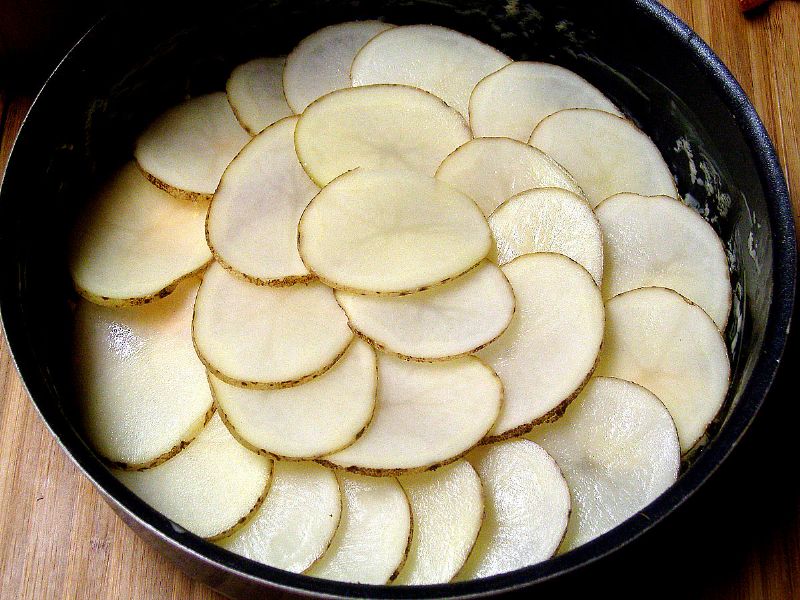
[(391, 231), (186, 149), (321, 62), (513, 100), (527, 508), (618, 449), (441, 61), (449, 320), (306, 421), (252, 221), (605, 153), (255, 92), (447, 510), (297, 520), (548, 220), (142, 392), (372, 540), (427, 415), (660, 340), (133, 243), (210, 488), (550, 348), (375, 127), (491, 170), (267, 337), (661, 242)]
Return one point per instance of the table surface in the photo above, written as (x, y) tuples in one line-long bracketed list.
[(738, 539)]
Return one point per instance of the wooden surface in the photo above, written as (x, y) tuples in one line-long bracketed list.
[(739, 539)]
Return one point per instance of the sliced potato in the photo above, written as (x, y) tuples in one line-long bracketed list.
[(548, 220), (209, 488), (255, 92), (306, 421), (391, 231), (661, 242), (491, 170), (372, 540), (438, 60), (527, 508), (427, 415), (134, 243), (447, 511), (550, 348), (267, 337), (321, 62), (512, 101), (449, 320), (252, 220), (660, 340), (186, 149), (618, 449), (142, 392), (297, 520), (605, 153), (375, 127)]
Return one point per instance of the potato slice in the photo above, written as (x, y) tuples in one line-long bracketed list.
[(252, 220), (447, 512), (512, 101), (134, 243), (449, 320), (427, 415), (297, 520), (618, 449), (321, 62), (307, 421), (661, 242), (210, 488), (660, 340), (550, 348), (441, 61), (142, 392), (267, 337), (527, 508), (605, 153), (391, 231), (255, 92), (186, 149), (491, 170), (372, 540), (548, 220), (375, 127)]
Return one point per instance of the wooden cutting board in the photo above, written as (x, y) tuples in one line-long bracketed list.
[(738, 539)]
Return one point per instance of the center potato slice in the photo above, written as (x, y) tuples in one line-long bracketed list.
[(427, 415), (391, 231), (449, 320), (267, 337), (375, 127)]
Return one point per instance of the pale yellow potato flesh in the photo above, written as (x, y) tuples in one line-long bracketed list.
[(134, 242), (618, 449), (297, 520), (372, 539), (141, 391), (391, 231), (209, 488), (321, 62), (255, 92), (663, 342), (661, 242), (441, 61), (491, 170), (447, 509)]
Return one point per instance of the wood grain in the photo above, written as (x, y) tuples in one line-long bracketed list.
[(738, 540)]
